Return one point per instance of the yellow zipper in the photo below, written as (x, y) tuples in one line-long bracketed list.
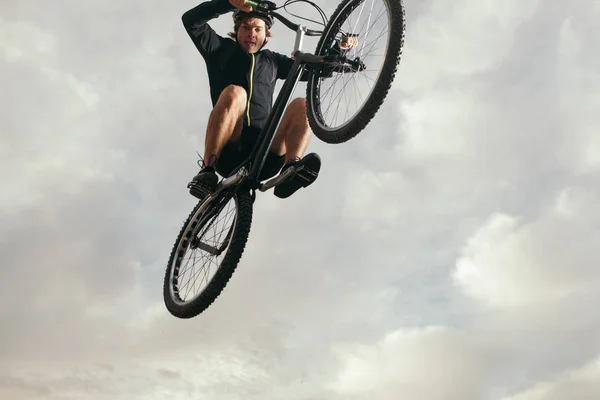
[(250, 96)]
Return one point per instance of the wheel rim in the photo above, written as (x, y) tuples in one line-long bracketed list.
[(372, 54), (202, 239)]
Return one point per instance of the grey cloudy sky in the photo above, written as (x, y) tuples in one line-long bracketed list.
[(450, 251)]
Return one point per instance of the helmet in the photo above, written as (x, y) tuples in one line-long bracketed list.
[(238, 15)]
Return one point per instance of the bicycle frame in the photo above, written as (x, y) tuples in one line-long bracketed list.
[(265, 138)]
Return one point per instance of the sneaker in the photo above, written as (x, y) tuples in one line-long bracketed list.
[(204, 183), (308, 171)]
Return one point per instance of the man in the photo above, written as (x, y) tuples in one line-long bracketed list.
[(242, 78)]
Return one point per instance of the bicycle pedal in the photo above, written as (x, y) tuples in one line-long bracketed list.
[(305, 175), (198, 190)]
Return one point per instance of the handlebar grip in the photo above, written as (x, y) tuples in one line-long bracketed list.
[(251, 3)]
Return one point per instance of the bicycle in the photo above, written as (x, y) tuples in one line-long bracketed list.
[(239, 188)]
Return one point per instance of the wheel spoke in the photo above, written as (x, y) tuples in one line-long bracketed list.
[(214, 234), (346, 94)]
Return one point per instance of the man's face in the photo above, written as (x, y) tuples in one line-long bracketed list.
[(252, 34)]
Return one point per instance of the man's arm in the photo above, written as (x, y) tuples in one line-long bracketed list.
[(195, 23)]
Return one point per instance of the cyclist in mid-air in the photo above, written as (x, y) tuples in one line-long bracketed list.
[(242, 77)]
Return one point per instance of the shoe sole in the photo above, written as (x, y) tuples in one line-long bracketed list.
[(308, 172), (200, 191)]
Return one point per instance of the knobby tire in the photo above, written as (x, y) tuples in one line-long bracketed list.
[(225, 270), (381, 88)]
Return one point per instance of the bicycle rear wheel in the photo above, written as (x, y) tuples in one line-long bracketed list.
[(337, 107), (201, 238)]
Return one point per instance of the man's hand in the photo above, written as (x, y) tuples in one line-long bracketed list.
[(239, 4)]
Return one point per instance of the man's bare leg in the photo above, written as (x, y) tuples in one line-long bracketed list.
[(224, 124), (293, 134), (292, 139)]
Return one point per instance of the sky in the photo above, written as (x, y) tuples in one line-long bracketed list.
[(449, 251)]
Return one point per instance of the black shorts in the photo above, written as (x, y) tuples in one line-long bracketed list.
[(234, 153)]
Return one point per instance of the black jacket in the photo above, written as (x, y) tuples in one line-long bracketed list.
[(257, 73)]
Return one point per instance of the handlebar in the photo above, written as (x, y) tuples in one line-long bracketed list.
[(268, 7)]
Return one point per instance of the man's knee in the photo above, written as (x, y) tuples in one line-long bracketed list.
[(233, 96), (298, 105)]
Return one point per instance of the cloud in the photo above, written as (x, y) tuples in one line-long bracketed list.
[(481, 166), (580, 86), (426, 363), (459, 40), (581, 384), (511, 263)]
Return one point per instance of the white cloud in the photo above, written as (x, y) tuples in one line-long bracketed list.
[(460, 38), (580, 87), (578, 384), (509, 263), (438, 126), (56, 112), (178, 376), (23, 39), (104, 106), (427, 363)]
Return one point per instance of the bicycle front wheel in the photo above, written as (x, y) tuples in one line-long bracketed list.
[(341, 102), (206, 253)]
